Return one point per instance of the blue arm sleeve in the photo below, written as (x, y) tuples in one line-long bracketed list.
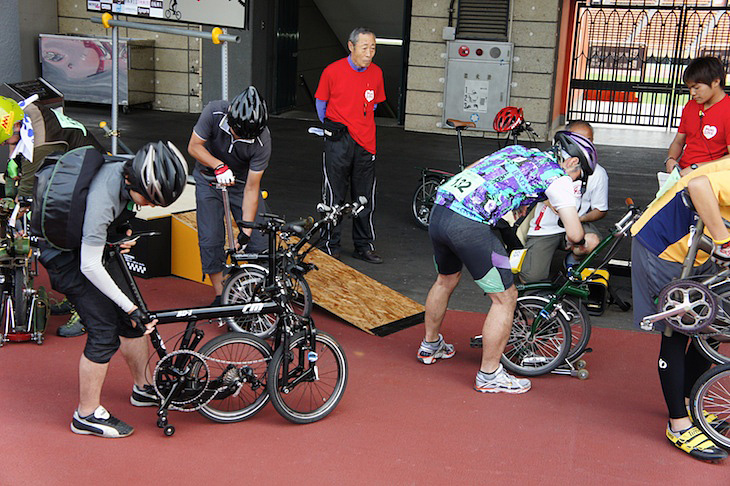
[(321, 109)]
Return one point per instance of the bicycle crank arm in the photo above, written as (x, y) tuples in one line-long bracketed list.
[(647, 323)]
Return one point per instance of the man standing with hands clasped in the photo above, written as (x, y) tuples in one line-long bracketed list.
[(348, 93)]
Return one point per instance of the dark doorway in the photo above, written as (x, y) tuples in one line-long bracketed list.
[(287, 47)]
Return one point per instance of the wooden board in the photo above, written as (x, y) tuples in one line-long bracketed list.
[(340, 289), (358, 299)]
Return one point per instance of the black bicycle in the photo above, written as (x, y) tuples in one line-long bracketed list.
[(232, 377), (425, 193), (247, 273)]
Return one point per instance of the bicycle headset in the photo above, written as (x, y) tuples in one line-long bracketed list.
[(507, 119), (247, 114), (10, 114), (158, 172)]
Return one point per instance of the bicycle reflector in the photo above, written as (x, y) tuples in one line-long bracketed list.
[(508, 118)]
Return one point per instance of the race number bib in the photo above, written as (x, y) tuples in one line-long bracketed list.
[(463, 184)]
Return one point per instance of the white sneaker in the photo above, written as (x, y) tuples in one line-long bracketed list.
[(502, 382), (428, 356)]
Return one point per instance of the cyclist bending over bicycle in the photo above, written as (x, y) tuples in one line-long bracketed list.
[(155, 177), (462, 233), (660, 245)]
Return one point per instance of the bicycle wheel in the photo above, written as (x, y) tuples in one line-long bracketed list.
[(710, 404), (580, 325), (715, 344), (423, 198), (242, 287), (307, 388), (20, 298), (535, 354), (237, 363)]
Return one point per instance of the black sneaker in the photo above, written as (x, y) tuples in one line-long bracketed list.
[(61, 308), (144, 397), (74, 327), (216, 302), (100, 423)]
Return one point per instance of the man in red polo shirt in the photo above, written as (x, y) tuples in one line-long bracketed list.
[(348, 93)]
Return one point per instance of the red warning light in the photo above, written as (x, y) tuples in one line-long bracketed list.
[(463, 51), (479, 52)]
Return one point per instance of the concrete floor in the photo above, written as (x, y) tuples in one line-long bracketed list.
[(294, 176)]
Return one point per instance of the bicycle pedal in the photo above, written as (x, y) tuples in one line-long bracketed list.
[(475, 342), (535, 360)]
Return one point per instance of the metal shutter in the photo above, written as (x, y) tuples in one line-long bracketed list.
[(483, 19)]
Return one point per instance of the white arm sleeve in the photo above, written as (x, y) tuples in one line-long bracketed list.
[(93, 269)]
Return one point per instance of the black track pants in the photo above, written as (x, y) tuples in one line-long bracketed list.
[(345, 163)]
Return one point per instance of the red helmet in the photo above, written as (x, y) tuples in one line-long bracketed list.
[(507, 119)]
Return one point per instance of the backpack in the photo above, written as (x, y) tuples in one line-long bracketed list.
[(59, 202)]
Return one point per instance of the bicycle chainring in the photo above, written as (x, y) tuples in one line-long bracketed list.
[(701, 305), (189, 371)]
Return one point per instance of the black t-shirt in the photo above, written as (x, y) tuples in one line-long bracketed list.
[(240, 155)]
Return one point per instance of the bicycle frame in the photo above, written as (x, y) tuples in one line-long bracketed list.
[(575, 284)]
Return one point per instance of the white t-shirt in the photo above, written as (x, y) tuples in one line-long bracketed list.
[(545, 221)]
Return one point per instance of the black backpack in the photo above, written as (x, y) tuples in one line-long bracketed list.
[(59, 201)]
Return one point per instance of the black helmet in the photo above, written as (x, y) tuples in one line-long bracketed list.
[(247, 114), (158, 172), (578, 146)]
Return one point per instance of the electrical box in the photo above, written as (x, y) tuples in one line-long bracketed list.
[(478, 75)]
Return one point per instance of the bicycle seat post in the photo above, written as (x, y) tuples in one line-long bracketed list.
[(227, 218), (461, 148)]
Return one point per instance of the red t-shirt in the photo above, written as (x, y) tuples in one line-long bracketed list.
[(708, 135), (350, 96)]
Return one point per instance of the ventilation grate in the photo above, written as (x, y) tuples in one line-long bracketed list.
[(483, 19)]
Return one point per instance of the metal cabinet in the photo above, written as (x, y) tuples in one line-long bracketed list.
[(478, 77)]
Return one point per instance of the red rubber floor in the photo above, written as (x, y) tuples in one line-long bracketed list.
[(400, 422)]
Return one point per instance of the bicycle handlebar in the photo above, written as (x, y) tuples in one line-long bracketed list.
[(331, 215), (210, 179), (133, 237)]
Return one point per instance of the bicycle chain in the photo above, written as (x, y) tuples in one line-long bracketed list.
[(204, 359)]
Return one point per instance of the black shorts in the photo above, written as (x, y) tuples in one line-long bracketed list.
[(459, 241), (103, 319)]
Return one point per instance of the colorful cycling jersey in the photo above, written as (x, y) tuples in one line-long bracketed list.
[(500, 183)]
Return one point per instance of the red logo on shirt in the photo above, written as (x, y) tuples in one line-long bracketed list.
[(709, 131)]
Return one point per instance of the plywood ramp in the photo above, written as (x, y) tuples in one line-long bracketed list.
[(359, 299), (350, 295)]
